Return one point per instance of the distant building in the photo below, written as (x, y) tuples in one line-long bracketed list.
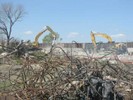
[(86, 46)]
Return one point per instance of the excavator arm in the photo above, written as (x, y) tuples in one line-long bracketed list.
[(101, 35), (93, 39), (35, 43)]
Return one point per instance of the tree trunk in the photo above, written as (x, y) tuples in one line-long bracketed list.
[(7, 43)]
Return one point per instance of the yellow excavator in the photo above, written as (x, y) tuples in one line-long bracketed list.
[(119, 47), (35, 43), (101, 35)]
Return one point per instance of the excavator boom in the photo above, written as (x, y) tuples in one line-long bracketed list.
[(99, 34), (35, 43)]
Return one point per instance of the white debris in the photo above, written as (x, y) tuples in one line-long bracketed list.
[(110, 78), (128, 90), (3, 54)]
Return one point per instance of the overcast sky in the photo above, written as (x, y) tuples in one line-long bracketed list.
[(75, 19)]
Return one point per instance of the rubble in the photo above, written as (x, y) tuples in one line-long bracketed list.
[(61, 77)]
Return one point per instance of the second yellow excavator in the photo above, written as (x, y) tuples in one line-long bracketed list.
[(35, 43), (99, 34)]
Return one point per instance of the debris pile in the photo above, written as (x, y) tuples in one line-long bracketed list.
[(67, 77)]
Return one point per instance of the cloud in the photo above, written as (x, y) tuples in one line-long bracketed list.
[(73, 34), (28, 32), (118, 35)]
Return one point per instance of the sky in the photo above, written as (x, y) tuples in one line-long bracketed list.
[(75, 19)]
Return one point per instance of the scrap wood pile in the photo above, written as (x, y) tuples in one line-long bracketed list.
[(67, 78)]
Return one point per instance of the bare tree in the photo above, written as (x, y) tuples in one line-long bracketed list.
[(9, 15)]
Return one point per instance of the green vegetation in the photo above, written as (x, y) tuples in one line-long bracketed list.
[(5, 85), (39, 55), (49, 38)]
